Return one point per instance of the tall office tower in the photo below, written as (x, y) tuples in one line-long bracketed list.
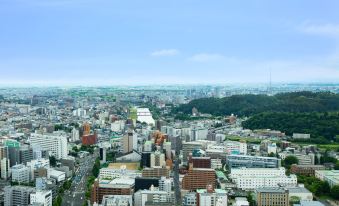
[(5, 168), (188, 147), (55, 143), (158, 159), (86, 128), (20, 174), (17, 195), (43, 198), (130, 142)]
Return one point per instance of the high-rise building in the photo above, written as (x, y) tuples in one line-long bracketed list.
[(198, 178), (5, 168), (130, 142), (43, 198), (235, 148), (188, 147), (20, 174), (158, 159), (17, 195), (55, 143), (165, 184), (75, 134)]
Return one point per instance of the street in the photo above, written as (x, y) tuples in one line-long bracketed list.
[(75, 196)]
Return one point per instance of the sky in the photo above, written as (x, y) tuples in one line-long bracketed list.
[(106, 42)]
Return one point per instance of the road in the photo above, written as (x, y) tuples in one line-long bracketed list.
[(75, 196)]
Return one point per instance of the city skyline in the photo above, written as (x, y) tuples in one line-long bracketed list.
[(92, 43)]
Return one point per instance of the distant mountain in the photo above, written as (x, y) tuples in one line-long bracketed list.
[(247, 105)]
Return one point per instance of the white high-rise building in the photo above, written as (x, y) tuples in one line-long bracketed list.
[(20, 173), (165, 184), (5, 168), (158, 159), (42, 197), (75, 134), (55, 143)]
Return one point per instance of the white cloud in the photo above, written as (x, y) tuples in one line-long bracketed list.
[(321, 29), (206, 57), (165, 52)]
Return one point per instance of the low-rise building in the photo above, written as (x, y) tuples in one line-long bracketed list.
[(272, 197)]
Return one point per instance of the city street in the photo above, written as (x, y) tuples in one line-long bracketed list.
[(76, 195)]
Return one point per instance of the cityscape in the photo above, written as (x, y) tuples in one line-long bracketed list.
[(169, 103)]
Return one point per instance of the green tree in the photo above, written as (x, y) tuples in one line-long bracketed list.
[(335, 192), (289, 160), (52, 161)]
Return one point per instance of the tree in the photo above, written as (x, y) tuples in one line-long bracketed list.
[(294, 200), (335, 192), (289, 160), (52, 161)]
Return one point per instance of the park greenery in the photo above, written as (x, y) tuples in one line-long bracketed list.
[(318, 187), (315, 113), (323, 127), (249, 104)]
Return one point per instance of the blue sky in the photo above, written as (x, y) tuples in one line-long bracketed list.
[(102, 42)]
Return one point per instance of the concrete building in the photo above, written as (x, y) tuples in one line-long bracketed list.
[(5, 168), (211, 197), (117, 200), (308, 170), (309, 203), (55, 143), (158, 159), (190, 199), (198, 178), (118, 186), (301, 192), (43, 198), (165, 184), (20, 174), (75, 135), (188, 147), (130, 142), (253, 178), (18, 195), (200, 162), (198, 134), (153, 195), (236, 161), (156, 172), (272, 197), (235, 148), (331, 176)]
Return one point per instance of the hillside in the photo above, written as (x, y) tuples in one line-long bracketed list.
[(247, 105), (319, 125)]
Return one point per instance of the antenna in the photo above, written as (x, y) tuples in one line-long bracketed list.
[(270, 83)]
